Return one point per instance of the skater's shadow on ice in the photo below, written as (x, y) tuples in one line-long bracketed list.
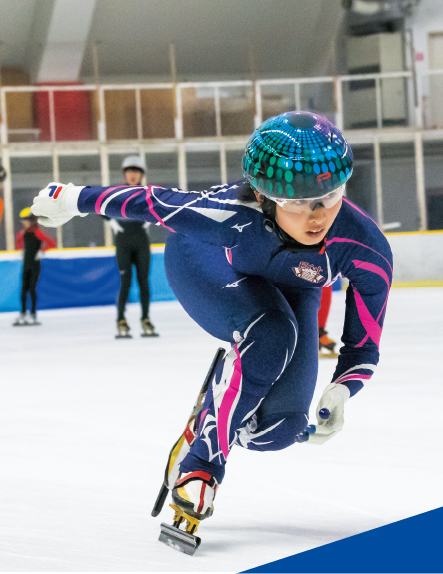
[(267, 534)]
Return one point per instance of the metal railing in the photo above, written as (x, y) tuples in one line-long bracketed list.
[(176, 106), (254, 101), (220, 115)]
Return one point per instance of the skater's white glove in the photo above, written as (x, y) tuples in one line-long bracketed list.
[(57, 204), (115, 226), (330, 415)]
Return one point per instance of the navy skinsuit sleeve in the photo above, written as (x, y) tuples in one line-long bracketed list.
[(367, 262), (205, 215)]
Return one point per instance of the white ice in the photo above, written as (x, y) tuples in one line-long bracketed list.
[(87, 421)]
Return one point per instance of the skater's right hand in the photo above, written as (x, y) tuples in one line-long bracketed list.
[(330, 415), (57, 204)]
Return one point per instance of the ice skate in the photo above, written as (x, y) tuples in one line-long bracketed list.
[(21, 321), (193, 496), (148, 328), (326, 345), (181, 447), (31, 319), (171, 535), (123, 330)]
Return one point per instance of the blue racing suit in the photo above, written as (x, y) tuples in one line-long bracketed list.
[(239, 280)]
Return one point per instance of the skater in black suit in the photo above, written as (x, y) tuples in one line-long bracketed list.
[(32, 241), (133, 248)]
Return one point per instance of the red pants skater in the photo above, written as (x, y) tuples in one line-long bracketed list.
[(325, 344)]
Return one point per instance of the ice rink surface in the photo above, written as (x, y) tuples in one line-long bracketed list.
[(87, 421)]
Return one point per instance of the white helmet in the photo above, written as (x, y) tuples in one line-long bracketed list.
[(134, 161)]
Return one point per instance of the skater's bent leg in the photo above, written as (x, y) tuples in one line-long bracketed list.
[(256, 360), (284, 412), (275, 432), (246, 311)]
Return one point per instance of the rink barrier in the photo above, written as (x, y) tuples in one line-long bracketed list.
[(418, 258), (82, 277), (79, 277)]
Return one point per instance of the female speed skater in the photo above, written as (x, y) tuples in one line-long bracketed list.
[(32, 241), (248, 262)]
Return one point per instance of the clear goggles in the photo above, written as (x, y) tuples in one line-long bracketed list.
[(307, 205)]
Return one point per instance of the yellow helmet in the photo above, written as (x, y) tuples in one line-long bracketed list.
[(26, 213)]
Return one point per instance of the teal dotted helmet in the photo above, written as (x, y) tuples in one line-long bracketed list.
[(297, 155)]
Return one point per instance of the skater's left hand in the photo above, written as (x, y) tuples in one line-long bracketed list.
[(330, 415), (57, 204)]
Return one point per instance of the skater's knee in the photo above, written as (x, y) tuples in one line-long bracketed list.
[(294, 424), (276, 432), (270, 341)]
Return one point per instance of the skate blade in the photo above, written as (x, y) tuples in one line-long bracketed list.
[(149, 335), (123, 336), (25, 324), (327, 355), (178, 539)]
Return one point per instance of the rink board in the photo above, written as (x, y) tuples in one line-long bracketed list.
[(79, 278), (87, 277)]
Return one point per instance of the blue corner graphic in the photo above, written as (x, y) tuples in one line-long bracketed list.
[(413, 545)]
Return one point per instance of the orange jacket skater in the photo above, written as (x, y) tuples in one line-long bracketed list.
[(32, 241), (2, 179)]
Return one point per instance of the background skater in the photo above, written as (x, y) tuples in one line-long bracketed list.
[(132, 247), (32, 241)]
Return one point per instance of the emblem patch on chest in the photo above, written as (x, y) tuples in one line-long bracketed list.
[(309, 272)]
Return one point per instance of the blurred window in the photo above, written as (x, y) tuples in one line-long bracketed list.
[(198, 107), (82, 231), (433, 160), (237, 108), (400, 203), (120, 114), (277, 99), (318, 97), (233, 164), (359, 104), (203, 170), (157, 110), (360, 189)]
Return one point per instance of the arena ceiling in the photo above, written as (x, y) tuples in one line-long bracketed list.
[(289, 37)]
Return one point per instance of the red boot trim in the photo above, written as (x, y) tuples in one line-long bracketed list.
[(189, 435), (202, 498), (192, 476)]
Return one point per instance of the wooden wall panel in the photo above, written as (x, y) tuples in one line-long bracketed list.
[(157, 113), (120, 114), (19, 109)]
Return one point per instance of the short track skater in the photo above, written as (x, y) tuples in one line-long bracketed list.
[(248, 261)]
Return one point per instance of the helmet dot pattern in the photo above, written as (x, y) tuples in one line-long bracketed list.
[(297, 155)]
